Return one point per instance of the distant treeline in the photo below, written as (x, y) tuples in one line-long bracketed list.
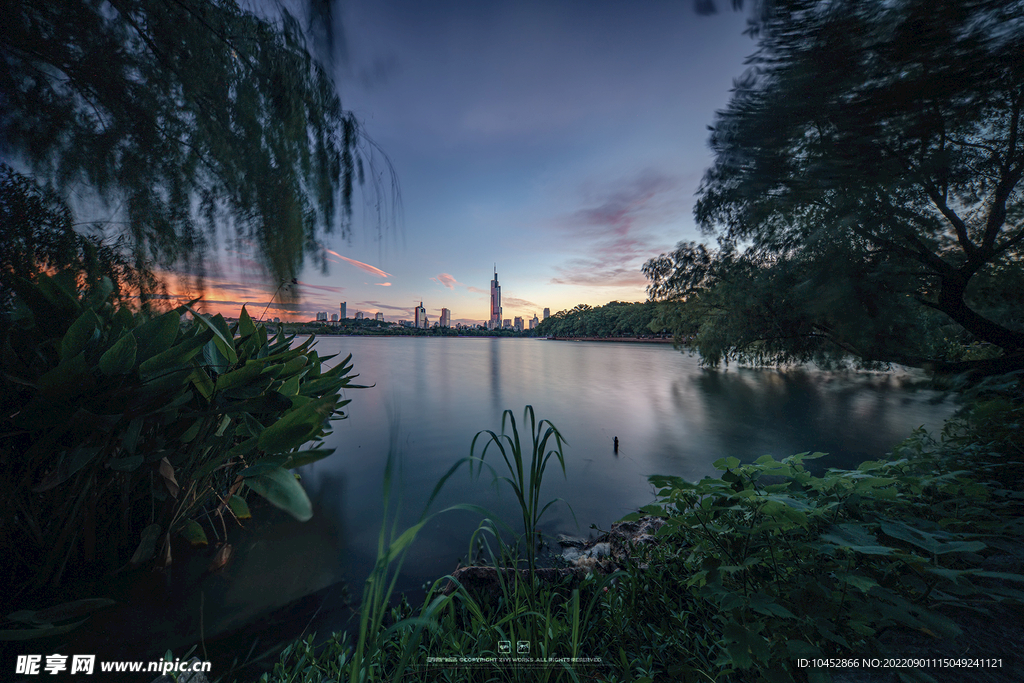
[(615, 319)]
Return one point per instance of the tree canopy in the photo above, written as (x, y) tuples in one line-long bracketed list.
[(614, 319), (865, 191), (184, 117)]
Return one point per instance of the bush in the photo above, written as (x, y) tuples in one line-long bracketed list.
[(121, 429)]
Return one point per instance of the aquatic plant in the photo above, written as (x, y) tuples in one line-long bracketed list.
[(121, 429)]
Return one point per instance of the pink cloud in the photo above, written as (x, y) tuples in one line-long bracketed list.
[(359, 264), (447, 280), (382, 284)]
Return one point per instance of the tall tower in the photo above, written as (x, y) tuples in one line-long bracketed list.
[(421, 316), (495, 301), (344, 310)]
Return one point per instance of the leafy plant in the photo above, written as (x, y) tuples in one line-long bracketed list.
[(121, 429), (525, 483)]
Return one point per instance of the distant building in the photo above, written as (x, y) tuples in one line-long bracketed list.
[(534, 322), (359, 315), (342, 313), (403, 323), (446, 318), (421, 317), (518, 324), (379, 316), (547, 313), (277, 320), (334, 317), (495, 300), (506, 324), (321, 316)]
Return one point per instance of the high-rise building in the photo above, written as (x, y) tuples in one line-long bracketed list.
[(547, 313), (506, 323), (534, 322), (518, 324), (343, 312), (359, 315), (495, 300), (334, 317), (421, 316), (321, 316), (379, 316), (446, 318)]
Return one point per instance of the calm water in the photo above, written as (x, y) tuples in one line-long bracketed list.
[(432, 395)]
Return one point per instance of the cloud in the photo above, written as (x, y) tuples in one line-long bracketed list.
[(335, 290), (477, 290), (359, 264), (447, 281), (377, 304), (617, 229), (517, 303), (382, 284)]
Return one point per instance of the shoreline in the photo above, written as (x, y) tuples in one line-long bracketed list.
[(635, 340)]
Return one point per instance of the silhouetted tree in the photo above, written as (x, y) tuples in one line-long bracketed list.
[(866, 189)]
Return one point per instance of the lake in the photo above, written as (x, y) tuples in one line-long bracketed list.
[(430, 397)]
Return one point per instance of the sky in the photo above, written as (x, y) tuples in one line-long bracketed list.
[(560, 142)]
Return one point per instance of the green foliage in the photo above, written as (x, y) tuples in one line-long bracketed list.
[(754, 569), (615, 319), (865, 193), (183, 116), (781, 564), (120, 430), (525, 483)]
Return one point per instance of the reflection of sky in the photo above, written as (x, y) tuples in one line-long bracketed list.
[(563, 141)]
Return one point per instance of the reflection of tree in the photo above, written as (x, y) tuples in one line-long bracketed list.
[(753, 412)]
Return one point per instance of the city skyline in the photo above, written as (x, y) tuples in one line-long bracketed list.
[(566, 139)]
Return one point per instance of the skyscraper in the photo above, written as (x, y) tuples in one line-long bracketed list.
[(421, 316), (446, 318), (495, 301), (547, 313), (534, 322), (344, 312), (518, 323)]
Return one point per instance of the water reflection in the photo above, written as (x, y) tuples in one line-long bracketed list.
[(671, 417)]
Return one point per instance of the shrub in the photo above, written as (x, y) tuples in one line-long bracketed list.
[(120, 429)]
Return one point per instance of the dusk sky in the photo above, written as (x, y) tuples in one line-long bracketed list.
[(563, 141)]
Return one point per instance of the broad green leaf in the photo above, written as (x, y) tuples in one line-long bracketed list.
[(221, 334), (245, 325), (282, 490), (119, 358), (305, 457), (85, 328), (147, 545), (239, 507), (180, 353), (243, 375), (298, 426), (193, 532), (157, 335)]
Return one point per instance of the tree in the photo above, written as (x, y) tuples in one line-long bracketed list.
[(866, 189), (181, 116)]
